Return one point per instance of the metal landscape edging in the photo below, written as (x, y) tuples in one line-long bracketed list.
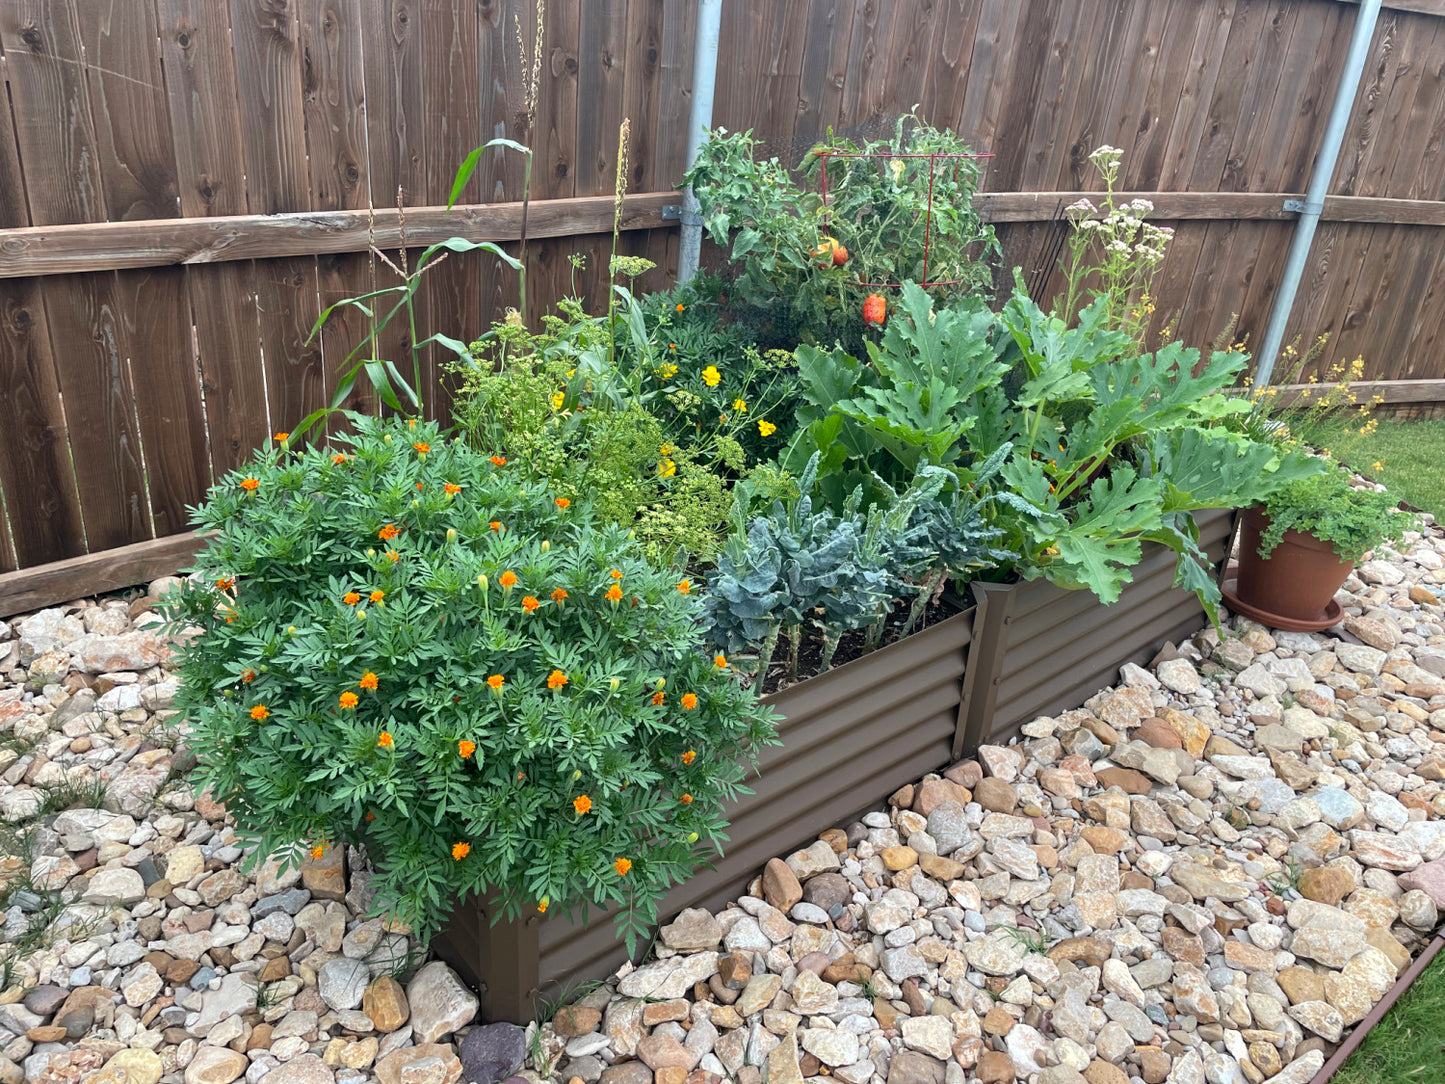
[(1337, 1060)]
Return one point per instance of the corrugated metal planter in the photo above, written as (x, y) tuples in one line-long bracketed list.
[(1063, 646), (850, 737)]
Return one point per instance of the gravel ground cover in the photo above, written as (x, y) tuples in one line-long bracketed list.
[(1207, 873)]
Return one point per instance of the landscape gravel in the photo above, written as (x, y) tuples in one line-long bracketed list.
[(1207, 874)]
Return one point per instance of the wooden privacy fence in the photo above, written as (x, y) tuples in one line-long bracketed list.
[(185, 183)]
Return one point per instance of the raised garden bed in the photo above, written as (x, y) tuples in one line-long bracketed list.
[(853, 735)]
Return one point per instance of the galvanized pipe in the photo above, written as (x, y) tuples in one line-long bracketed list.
[(1314, 202), (704, 82)]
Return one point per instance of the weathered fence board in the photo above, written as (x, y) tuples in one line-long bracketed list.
[(184, 184)]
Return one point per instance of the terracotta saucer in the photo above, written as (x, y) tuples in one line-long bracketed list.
[(1333, 614)]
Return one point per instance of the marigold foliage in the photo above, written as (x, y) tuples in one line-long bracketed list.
[(301, 768)]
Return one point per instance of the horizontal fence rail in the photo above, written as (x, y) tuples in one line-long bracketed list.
[(185, 186)]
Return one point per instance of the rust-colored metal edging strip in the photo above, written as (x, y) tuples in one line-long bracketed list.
[(1375, 1015)]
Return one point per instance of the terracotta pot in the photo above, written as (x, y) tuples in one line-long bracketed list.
[(1297, 580)]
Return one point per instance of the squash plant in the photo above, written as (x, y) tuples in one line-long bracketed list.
[(1104, 448)]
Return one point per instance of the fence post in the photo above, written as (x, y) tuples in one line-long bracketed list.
[(991, 621), (502, 960)]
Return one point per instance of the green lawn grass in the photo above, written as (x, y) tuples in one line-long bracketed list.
[(1412, 455), (1408, 1045)]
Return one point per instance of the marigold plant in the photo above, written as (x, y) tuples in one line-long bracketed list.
[(479, 721)]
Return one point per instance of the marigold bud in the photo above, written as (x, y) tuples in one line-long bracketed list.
[(615, 682), (577, 775), (290, 630), (661, 684), (386, 439), (692, 837), (361, 614), (482, 582), (371, 552), (546, 545), (451, 534)]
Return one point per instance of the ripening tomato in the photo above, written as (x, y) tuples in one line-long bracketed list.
[(875, 309), (827, 252), (840, 256)]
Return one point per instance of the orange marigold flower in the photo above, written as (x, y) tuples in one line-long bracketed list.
[(318, 851), (461, 850), (225, 583), (581, 804), (543, 905), (248, 676), (614, 593), (495, 525), (422, 447), (370, 816), (685, 587), (466, 749), (616, 574), (530, 603), (558, 594), (338, 459), (556, 679), (393, 556), (689, 756), (420, 486), (622, 866), (348, 699), (385, 740), (451, 489), (508, 578), (260, 711), (561, 502), (689, 701), (377, 596), (720, 661), (496, 681), (686, 799), (658, 698), (387, 533), (680, 306), (281, 436), (499, 461), (368, 681), (351, 598), (249, 484)]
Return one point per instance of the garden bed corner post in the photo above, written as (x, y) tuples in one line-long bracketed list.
[(501, 959), (986, 651)]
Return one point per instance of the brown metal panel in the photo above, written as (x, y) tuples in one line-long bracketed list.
[(1065, 645), (993, 620), (849, 740)]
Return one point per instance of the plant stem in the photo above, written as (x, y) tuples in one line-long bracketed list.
[(522, 255)]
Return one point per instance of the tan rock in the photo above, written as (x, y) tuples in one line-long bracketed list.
[(898, 858), (1102, 1072), (940, 869), (995, 795), (933, 793), (1301, 984), (385, 1002), (326, 876), (389, 1069), (781, 887), (573, 1020), (1326, 884), (995, 1067)]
